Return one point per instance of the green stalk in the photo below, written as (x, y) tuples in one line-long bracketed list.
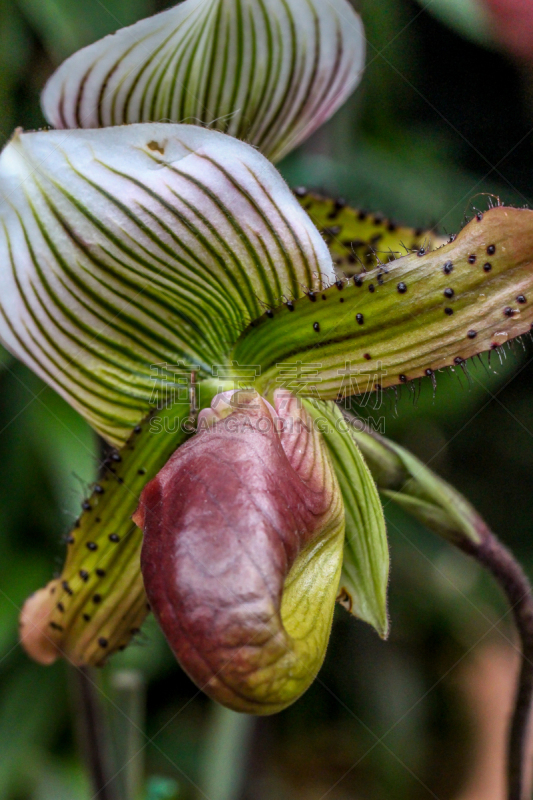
[(225, 753), (128, 722), (94, 736)]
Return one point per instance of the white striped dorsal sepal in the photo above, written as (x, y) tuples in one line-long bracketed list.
[(266, 71), (126, 249)]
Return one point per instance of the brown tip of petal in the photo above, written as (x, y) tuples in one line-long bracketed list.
[(36, 637), (138, 517)]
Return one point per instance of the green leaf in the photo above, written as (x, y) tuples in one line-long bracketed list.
[(130, 253), (267, 72), (419, 491), (365, 569), (359, 240), (406, 319)]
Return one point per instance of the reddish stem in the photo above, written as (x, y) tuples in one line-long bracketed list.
[(498, 560)]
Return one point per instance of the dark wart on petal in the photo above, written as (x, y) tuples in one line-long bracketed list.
[(225, 522)]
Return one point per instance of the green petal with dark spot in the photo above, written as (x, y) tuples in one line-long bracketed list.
[(98, 603), (405, 319), (358, 240)]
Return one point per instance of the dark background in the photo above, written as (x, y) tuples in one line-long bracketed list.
[(440, 118)]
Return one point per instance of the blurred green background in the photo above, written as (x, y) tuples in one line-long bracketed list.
[(441, 118)]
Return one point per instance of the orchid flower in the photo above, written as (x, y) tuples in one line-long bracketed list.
[(166, 282), (166, 260)]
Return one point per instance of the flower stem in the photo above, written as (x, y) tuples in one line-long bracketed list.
[(226, 753), (94, 736), (498, 560), (127, 719)]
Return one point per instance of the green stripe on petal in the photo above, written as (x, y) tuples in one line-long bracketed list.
[(266, 71), (130, 252), (365, 569), (403, 320), (358, 240)]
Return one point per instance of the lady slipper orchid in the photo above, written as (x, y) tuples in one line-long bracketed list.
[(151, 272), (203, 237)]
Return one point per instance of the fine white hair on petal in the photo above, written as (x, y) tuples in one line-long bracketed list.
[(266, 71), (132, 256)]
